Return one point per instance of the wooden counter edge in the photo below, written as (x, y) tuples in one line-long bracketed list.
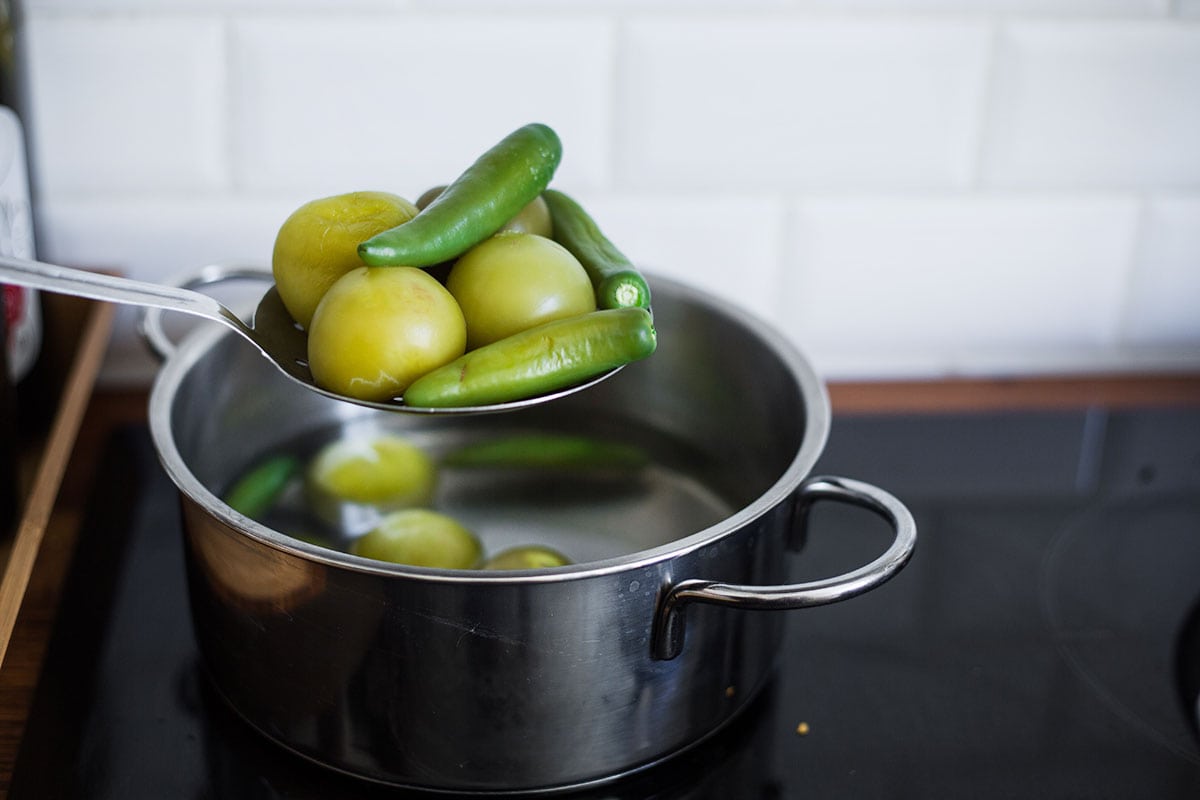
[(1014, 394), (60, 444)]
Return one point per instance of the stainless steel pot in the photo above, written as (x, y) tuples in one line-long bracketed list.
[(521, 681)]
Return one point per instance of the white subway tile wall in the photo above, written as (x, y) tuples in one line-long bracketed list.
[(128, 105), (800, 104), (906, 188), (977, 280), (1102, 104), (330, 103), (1165, 285)]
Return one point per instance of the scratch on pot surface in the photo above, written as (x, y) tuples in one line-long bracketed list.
[(470, 629)]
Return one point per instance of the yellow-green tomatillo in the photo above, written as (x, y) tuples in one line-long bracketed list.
[(421, 538), (515, 281), (380, 328), (530, 556), (318, 243), (351, 483)]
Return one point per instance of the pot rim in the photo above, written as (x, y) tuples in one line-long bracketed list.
[(815, 402)]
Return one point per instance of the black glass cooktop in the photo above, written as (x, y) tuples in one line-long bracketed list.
[(1043, 643)]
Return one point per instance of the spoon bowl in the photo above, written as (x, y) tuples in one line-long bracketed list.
[(272, 330)]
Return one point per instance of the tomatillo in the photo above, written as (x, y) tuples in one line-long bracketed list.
[(515, 281), (421, 538), (380, 328), (318, 244)]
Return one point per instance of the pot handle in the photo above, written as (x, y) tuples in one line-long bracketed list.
[(667, 638), (150, 322)]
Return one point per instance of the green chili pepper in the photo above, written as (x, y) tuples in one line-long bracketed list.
[(542, 359), (617, 282), (547, 451), (257, 490), (477, 204)]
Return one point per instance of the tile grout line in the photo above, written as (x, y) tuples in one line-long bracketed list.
[(985, 111), (1133, 258)]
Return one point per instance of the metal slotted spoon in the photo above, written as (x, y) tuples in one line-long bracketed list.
[(273, 331)]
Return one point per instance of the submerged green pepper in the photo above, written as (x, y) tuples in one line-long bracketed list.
[(547, 451), (617, 282), (478, 203), (257, 490), (538, 360)]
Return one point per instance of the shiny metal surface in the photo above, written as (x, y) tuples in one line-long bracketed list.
[(273, 333), (508, 681), (669, 628)]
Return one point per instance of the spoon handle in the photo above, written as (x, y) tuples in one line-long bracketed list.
[(97, 286)]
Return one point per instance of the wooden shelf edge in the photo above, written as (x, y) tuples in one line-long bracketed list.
[(1014, 394), (60, 444)]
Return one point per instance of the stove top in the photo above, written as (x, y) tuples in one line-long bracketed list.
[(1043, 642)]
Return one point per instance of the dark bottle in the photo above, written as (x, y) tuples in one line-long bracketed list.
[(30, 370)]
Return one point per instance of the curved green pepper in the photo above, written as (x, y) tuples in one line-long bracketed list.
[(257, 490), (541, 359), (617, 282), (478, 203)]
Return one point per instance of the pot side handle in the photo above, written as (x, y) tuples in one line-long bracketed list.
[(667, 636), (150, 322)]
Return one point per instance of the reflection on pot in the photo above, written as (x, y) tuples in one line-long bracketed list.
[(276, 620), (732, 763), (248, 575)]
